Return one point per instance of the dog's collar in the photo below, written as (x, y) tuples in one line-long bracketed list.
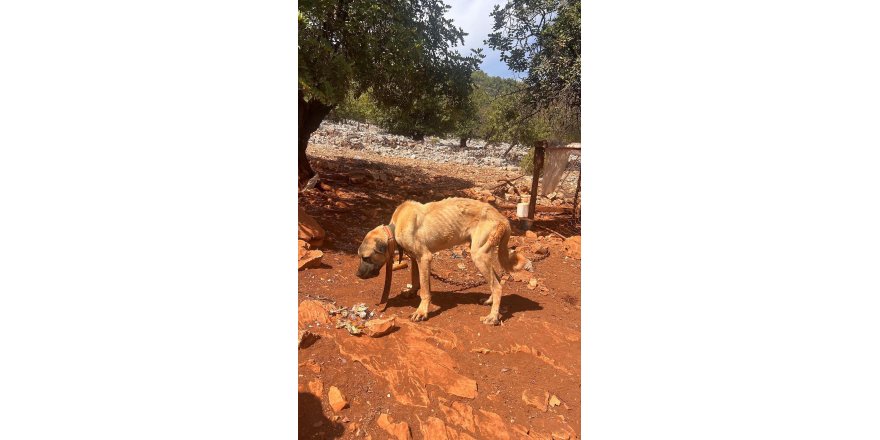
[(389, 231)]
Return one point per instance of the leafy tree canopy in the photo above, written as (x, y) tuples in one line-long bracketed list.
[(402, 51), (542, 38)]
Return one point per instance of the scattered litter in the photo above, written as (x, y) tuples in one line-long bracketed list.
[(353, 318)]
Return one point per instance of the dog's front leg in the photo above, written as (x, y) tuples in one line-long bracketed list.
[(424, 273)]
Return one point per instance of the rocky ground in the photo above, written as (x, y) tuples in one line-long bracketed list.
[(356, 136), (450, 377)]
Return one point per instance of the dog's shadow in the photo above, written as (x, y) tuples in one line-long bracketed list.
[(445, 300)]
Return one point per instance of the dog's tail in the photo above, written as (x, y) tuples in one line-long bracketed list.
[(511, 260)]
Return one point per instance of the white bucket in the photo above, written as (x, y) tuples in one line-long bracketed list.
[(522, 210)]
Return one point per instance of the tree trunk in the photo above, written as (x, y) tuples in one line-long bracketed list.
[(462, 142), (311, 113)]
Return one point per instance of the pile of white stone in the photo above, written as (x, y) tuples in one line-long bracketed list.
[(372, 138)]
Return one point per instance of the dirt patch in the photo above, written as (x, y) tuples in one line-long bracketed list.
[(450, 376)]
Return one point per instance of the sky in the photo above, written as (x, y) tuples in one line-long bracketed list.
[(473, 16)]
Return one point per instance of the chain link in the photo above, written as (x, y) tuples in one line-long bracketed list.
[(464, 285)]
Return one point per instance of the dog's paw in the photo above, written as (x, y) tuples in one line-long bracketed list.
[(418, 315), (490, 319)]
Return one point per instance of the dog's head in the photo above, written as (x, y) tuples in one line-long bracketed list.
[(373, 253)]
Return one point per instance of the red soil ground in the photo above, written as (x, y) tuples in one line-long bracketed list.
[(450, 376)]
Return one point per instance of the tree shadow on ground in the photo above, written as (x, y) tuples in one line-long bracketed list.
[(348, 210), (312, 422)]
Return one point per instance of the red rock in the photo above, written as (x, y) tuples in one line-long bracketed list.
[(520, 276), (336, 399), (308, 258), (536, 398), (521, 430), (459, 414), (316, 387), (560, 435), (531, 234), (554, 401), (415, 359), (310, 230), (378, 327), (399, 430), (311, 311), (573, 247), (533, 283), (434, 429), (463, 388), (552, 428), (540, 249), (492, 426)]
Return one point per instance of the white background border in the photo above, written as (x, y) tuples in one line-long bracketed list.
[(147, 235)]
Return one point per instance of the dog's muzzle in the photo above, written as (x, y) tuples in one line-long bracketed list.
[(368, 270)]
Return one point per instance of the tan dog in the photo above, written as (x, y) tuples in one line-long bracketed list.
[(420, 230)]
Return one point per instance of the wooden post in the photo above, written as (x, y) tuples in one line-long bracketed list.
[(577, 212), (538, 165)]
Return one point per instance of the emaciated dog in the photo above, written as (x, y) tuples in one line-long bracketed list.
[(420, 230)]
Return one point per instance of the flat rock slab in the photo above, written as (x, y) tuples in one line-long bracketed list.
[(536, 398), (399, 430), (313, 312), (309, 229), (409, 360)]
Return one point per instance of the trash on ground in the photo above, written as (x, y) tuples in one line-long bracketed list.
[(352, 318)]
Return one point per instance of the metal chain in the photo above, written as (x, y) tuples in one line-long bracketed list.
[(541, 257), (463, 284)]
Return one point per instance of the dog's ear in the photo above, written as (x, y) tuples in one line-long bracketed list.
[(381, 246)]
